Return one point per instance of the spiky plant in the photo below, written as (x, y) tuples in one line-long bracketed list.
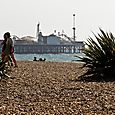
[(100, 54)]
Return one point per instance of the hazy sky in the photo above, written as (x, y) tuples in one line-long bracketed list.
[(20, 17)]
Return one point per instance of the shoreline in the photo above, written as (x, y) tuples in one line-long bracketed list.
[(48, 57)]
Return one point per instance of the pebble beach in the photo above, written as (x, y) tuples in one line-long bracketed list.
[(51, 88)]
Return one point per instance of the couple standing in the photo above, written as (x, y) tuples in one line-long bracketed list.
[(8, 49)]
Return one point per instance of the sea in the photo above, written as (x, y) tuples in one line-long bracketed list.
[(49, 57)]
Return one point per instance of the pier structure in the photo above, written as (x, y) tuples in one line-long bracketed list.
[(54, 43), (74, 32), (45, 49)]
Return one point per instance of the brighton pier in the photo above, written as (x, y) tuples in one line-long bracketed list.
[(54, 43), (54, 49)]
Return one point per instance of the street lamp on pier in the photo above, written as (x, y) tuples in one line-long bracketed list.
[(74, 49)]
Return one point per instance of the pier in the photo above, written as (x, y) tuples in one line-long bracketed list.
[(53, 49)]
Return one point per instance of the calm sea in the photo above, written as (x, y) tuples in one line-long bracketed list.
[(49, 57)]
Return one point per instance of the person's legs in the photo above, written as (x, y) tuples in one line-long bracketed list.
[(2, 56), (10, 59), (14, 60)]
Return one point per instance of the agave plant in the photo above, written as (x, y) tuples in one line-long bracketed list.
[(100, 54)]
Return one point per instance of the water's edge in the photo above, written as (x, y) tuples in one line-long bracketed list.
[(48, 57)]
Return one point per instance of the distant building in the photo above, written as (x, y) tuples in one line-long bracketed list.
[(52, 39), (53, 43), (24, 40), (49, 40)]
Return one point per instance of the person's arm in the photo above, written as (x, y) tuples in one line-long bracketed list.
[(3, 42)]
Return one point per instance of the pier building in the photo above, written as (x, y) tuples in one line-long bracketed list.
[(48, 44), (53, 43)]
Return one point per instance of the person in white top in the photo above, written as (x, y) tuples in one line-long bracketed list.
[(9, 47)]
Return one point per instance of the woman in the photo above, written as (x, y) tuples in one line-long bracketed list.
[(8, 48)]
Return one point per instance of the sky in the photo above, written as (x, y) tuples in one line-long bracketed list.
[(20, 17)]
